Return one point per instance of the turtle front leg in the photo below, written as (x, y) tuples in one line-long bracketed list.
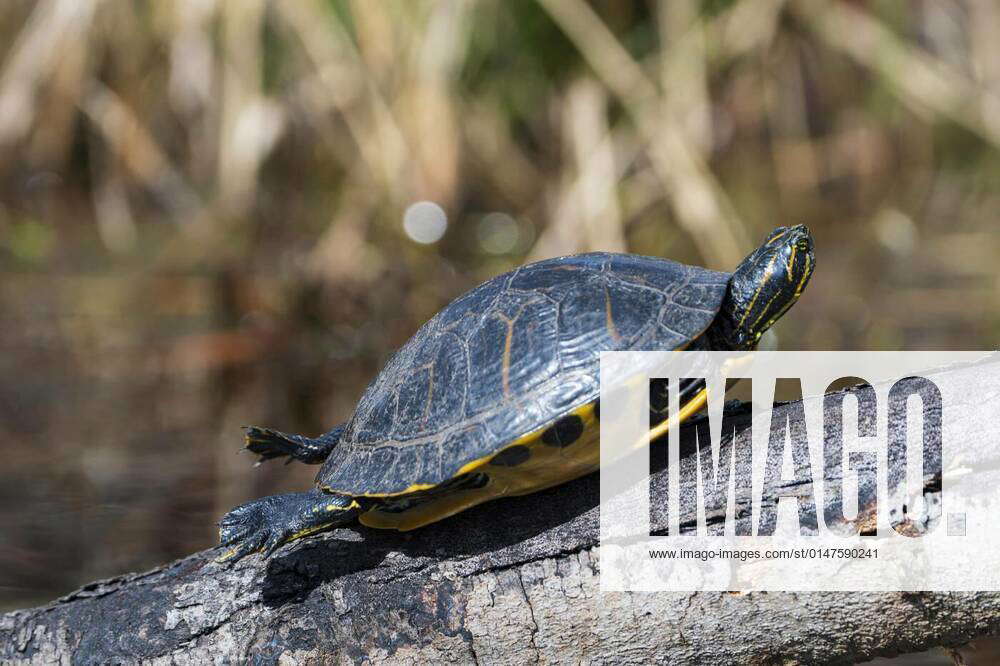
[(267, 523)]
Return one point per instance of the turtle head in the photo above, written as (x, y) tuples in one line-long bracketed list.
[(765, 285)]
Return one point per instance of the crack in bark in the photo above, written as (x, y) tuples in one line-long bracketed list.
[(531, 613)]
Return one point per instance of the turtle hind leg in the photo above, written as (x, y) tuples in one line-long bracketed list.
[(267, 523), (270, 444)]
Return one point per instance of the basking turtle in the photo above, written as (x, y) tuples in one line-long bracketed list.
[(497, 394)]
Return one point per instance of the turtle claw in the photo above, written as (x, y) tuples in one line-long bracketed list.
[(245, 530), (233, 555), (269, 444), (261, 526)]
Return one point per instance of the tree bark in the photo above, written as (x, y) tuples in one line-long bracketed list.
[(512, 581)]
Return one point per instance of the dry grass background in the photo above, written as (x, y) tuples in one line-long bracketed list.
[(201, 206)]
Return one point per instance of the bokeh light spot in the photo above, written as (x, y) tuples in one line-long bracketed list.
[(425, 222), (499, 233)]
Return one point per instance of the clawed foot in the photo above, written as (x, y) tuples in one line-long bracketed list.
[(270, 444), (265, 524), (252, 527)]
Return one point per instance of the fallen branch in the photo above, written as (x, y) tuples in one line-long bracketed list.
[(512, 581)]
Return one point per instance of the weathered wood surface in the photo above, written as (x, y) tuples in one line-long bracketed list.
[(513, 581)]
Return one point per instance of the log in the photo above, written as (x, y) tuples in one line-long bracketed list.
[(512, 581)]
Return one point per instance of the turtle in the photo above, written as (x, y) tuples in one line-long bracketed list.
[(498, 393)]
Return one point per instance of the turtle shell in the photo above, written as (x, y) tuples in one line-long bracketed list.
[(509, 357)]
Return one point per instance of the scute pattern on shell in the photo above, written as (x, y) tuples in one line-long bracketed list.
[(510, 356)]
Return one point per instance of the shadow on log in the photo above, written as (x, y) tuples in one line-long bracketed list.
[(512, 581)]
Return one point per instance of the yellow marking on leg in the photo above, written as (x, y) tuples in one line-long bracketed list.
[(689, 409), (307, 532), (329, 508), (225, 556)]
